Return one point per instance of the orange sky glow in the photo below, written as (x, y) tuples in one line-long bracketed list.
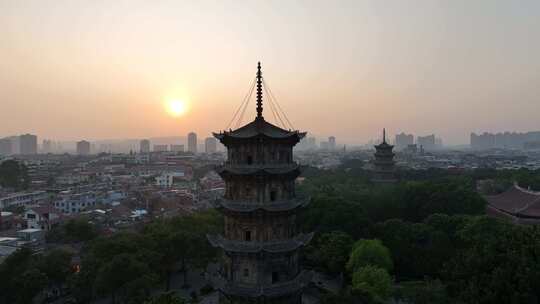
[(73, 70)]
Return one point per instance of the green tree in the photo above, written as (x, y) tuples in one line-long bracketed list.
[(447, 196), (118, 275), (56, 265), (167, 298), (498, 264), (373, 281), (423, 292), (369, 252), (30, 283), (183, 239), (20, 279), (14, 174), (330, 251), (73, 231), (329, 212), (418, 249), (172, 246)]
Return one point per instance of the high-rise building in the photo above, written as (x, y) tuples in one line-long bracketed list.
[(312, 143), (426, 142), (161, 148), (324, 145), (384, 162), (15, 144), (506, 140), (177, 148), (261, 240), (307, 143), (47, 146), (6, 147), (438, 143), (83, 147), (28, 144), (210, 145), (192, 142), (404, 140), (144, 146), (331, 143)]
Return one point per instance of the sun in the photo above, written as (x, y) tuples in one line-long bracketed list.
[(176, 107)]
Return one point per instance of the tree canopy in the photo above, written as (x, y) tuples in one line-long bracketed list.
[(14, 174)]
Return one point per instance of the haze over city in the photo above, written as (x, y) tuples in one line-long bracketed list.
[(269, 152), (114, 69)]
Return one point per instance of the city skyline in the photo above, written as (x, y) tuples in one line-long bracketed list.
[(96, 70)]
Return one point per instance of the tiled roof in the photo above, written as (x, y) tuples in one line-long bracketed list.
[(256, 247), (283, 205), (516, 201), (259, 127), (254, 169), (271, 291)]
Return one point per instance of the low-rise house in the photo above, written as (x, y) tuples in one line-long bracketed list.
[(41, 217), (23, 199), (72, 179), (6, 220), (32, 235), (167, 179), (71, 203)]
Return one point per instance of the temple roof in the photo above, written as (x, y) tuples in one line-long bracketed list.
[(284, 205), (271, 291), (256, 247), (259, 127), (516, 201), (384, 144)]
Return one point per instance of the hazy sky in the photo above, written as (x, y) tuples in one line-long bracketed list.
[(103, 69)]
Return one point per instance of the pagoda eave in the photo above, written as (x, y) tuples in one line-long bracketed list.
[(251, 170), (226, 138), (248, 207), (245, 247), (270, 291)]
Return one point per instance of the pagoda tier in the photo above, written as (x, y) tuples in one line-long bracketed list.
[(286, 205), (279, 246), (272, 291), (384, 164), (276, 169), (260, 241)]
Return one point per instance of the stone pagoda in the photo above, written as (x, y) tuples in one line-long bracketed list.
[(261, 241), (384, 165)]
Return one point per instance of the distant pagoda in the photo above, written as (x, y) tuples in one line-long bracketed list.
[(261, 241), (384, 165)]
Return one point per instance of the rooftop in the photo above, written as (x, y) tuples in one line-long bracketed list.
[(516, 201)]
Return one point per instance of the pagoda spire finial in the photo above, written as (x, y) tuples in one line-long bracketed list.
[(259, 92), (384, 135)]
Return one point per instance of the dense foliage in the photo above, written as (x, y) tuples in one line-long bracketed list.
[(24, 275), (442, 247), (126, 267), (346, 201), (330, 251), (14, 174), (423, 240), (369, 253), (73, 231)]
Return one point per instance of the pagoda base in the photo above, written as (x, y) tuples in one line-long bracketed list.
[(289, 292)]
